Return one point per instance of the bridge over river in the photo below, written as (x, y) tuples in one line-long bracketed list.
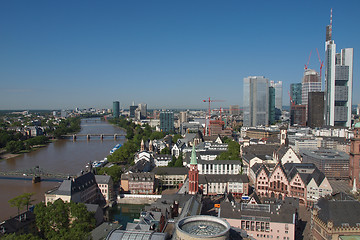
[(93, 136), (35, 174)]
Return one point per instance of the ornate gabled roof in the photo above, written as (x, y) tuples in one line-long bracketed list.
[(258, 167), (278, 165), (281, 151)]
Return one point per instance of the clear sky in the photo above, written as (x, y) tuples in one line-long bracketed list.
[(168, 54)]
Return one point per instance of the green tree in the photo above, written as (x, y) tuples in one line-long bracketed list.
[(27, 199), (178, 163), (14, 236), (176, 137), (21, 201), (15, 146), (157, 135), (233, 152), (172, 163), (114, 171), (165, 150), (17, 202), (61, 220)]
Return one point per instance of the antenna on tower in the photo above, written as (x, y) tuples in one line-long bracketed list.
[(331, 17), (329, 28)]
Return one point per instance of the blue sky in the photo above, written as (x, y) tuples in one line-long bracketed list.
[(168, 54)]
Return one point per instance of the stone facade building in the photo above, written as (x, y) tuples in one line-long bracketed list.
[(335, 217)]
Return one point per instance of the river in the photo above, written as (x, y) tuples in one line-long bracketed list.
[(63, 156)]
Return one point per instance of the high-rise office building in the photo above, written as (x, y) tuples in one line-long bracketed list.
[(132, 111), (338, 82), (271, 105), (278, 93), (298, 115), (256, 101), (295, 93), (167, 121), (311, 82), (315, 109), (143, 110), (183, 117), (116, 109)]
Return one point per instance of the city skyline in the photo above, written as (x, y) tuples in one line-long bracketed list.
[(63, 55)]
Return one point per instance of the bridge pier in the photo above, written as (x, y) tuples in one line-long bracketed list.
[(88, 137), (74, 137), (36, 179)]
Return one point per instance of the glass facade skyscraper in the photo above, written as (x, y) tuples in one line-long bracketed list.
[(256, 101), (296, 93), (116, 109), (167, 121)]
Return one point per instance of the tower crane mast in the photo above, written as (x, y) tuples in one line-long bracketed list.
[(209, 114)]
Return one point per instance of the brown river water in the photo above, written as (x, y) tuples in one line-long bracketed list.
[(63, 156)]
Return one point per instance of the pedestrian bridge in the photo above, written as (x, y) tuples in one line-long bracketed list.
[(36, 174), (93, 136)]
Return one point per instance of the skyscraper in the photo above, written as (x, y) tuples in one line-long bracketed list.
[(338, 82), (167, 121), (143, 110), (116, 109), (315, 109), (256, 101), (132, 111), (183, 117), (278, 93), (296, 93), (311, 82), (271, 105)]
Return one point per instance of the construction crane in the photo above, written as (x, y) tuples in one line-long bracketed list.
[(210, 101), (307, 64), (321, 63), (291, 100)]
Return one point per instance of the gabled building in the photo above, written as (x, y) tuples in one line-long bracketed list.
[(302, 181), (262, 180), (278, 183), (177, 148), (286, 155), (82, 189)]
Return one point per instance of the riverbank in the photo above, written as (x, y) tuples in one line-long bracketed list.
[(5, 155), (61, 156)]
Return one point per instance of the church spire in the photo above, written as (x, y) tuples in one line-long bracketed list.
[(193, 156)]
